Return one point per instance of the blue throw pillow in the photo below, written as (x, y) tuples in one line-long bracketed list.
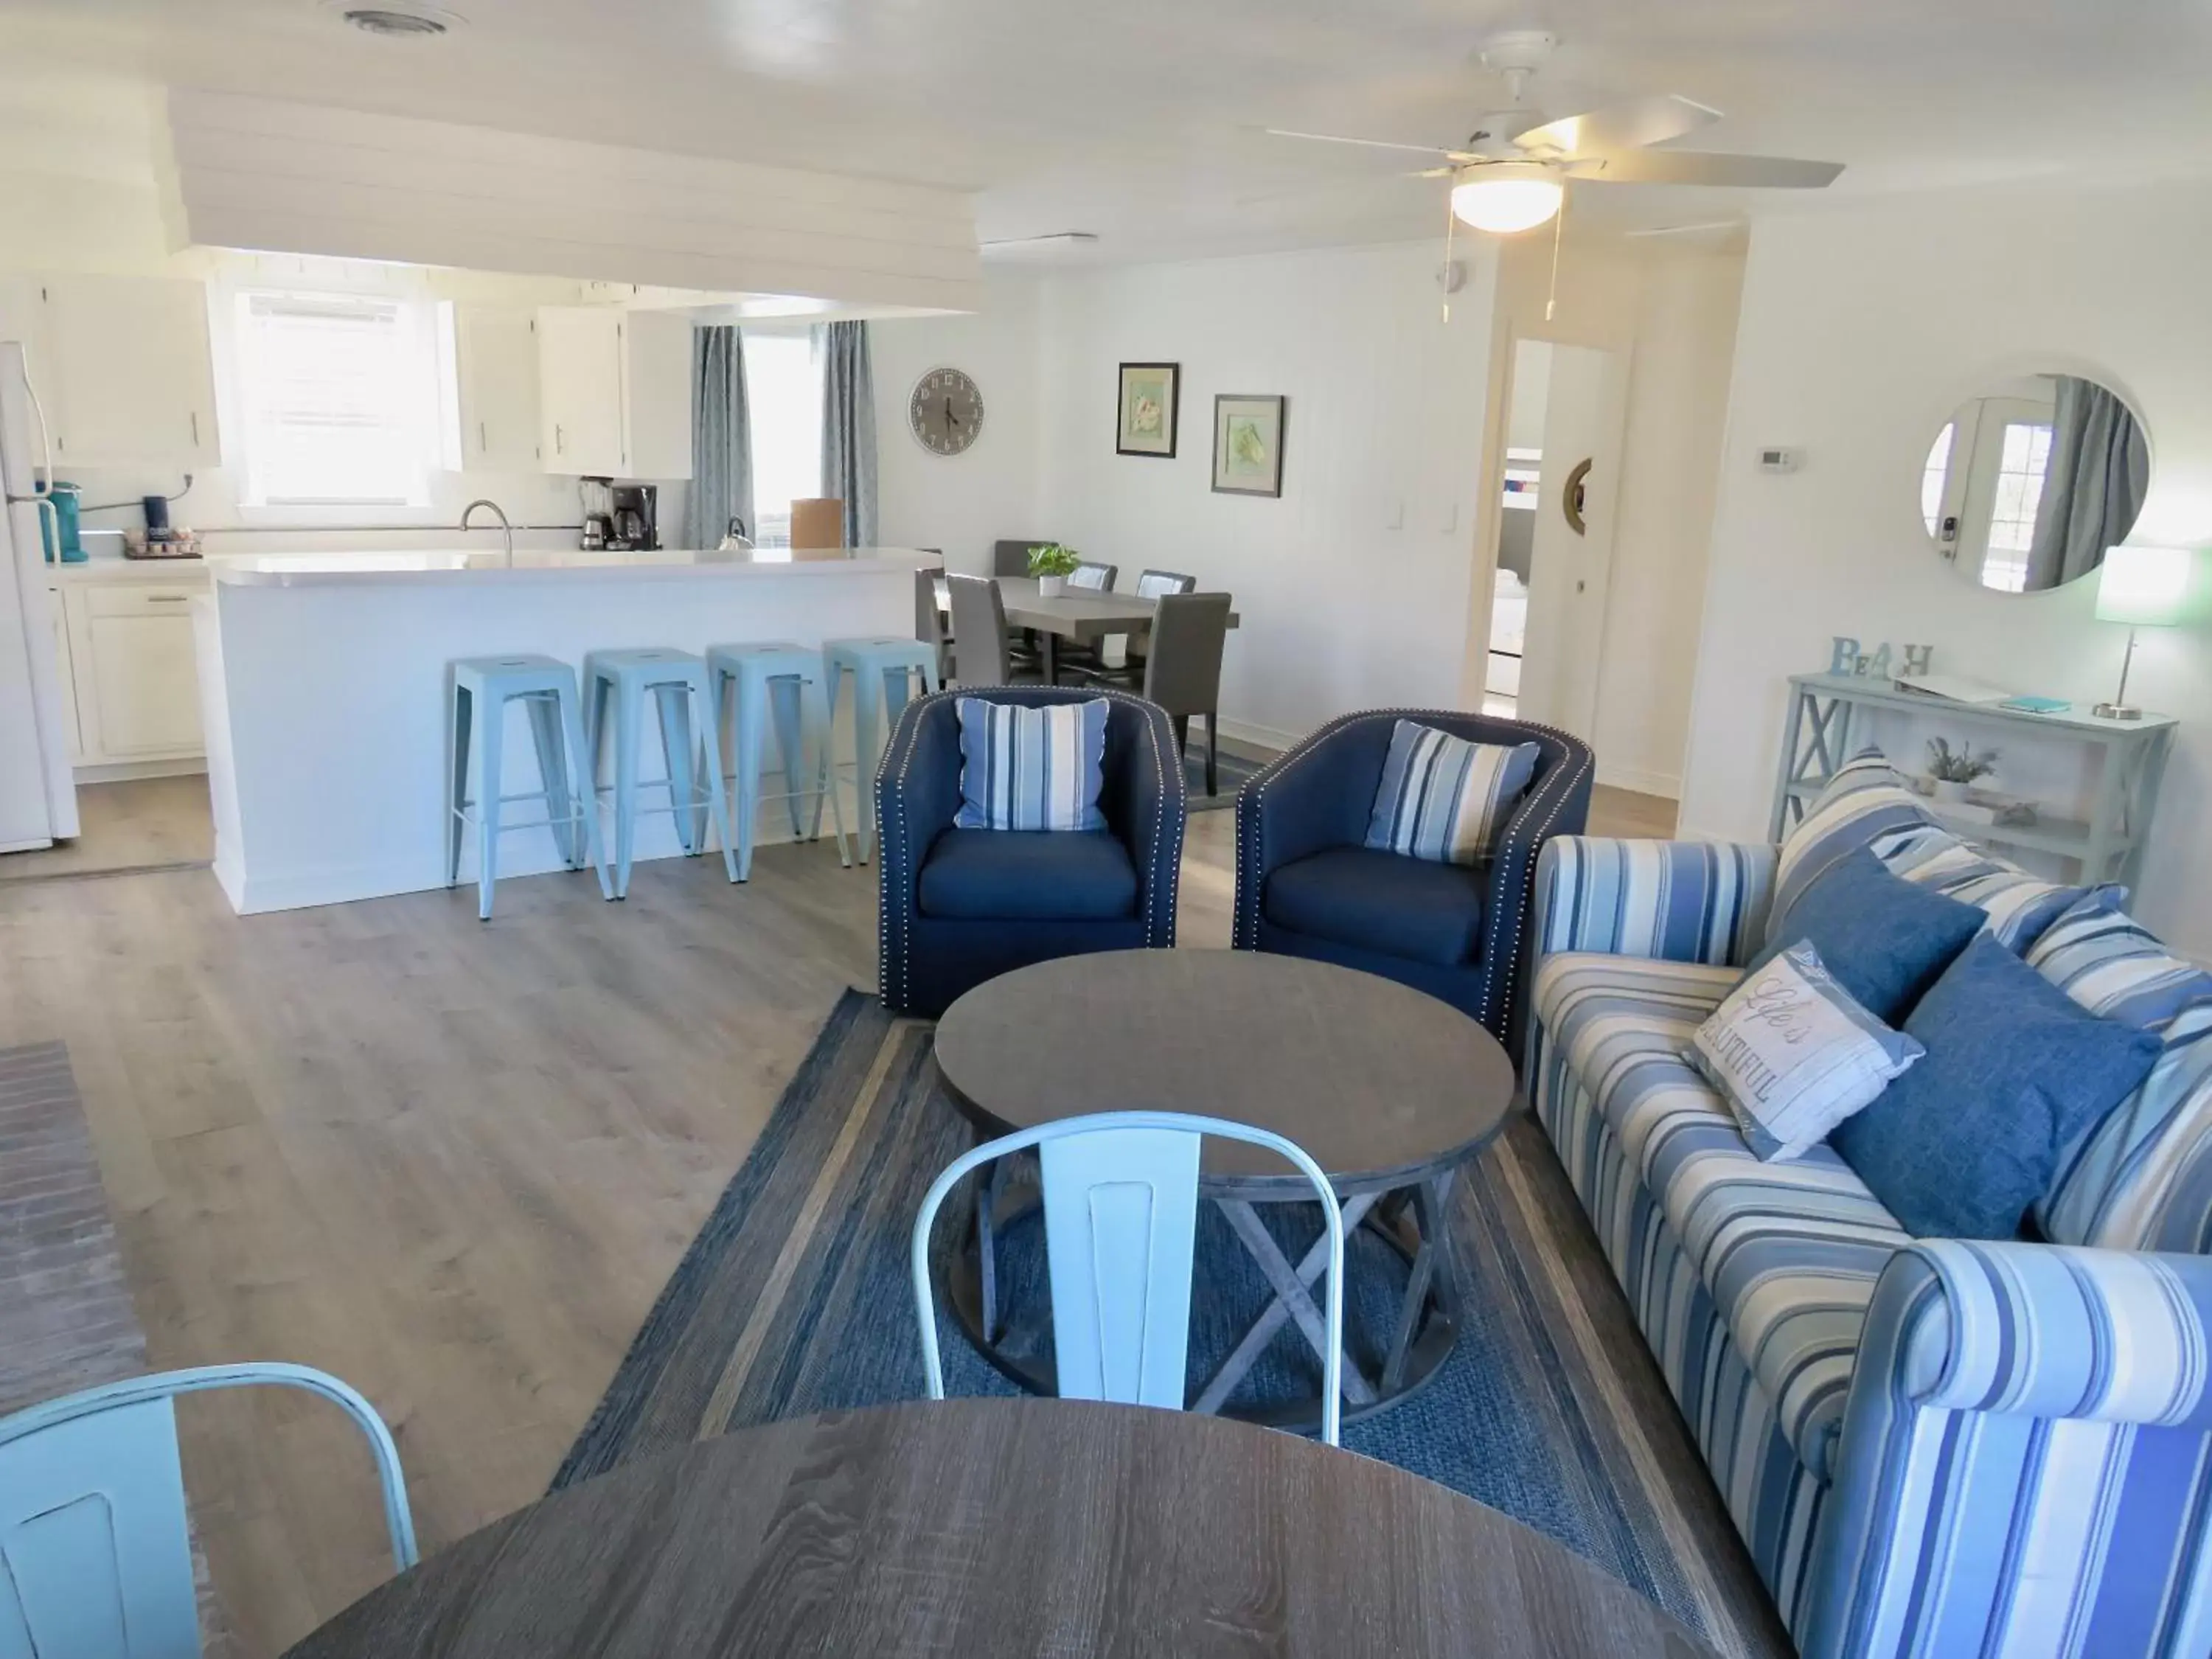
[(1884, 940), (1962, 1144), (1445, 799), (1032, 769)]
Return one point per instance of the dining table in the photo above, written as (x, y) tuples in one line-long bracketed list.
[(994, 1527), (1085, 615)]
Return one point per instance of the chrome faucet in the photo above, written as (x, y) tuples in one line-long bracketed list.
[(506, 529)]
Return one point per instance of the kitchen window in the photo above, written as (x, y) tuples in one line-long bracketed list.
[(783, 397), (340, 395)]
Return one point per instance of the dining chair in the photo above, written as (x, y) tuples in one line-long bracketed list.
[(984, 656), (1120, 1213), (1011, 558), (1151, 584), (929, 621), (93, 1526), (1183, 672), (1094, 577)]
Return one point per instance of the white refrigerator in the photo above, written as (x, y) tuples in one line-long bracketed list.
[(38, 792)]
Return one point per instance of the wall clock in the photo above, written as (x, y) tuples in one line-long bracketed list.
[(946, 411)]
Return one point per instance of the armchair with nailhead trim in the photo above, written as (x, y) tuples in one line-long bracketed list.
[(961, 906), (1308, 886)]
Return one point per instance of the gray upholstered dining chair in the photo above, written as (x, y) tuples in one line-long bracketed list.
[(979, 623), (1096, 577), (929, 621), (1153, 584), (1182, 674), (1011, 558)]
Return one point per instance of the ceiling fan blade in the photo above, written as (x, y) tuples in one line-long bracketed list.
[(1681, 166), (1631, 125), (1369, 144)]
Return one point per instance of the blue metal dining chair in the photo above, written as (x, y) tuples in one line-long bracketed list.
[(1121, 1209), (95, 1556)]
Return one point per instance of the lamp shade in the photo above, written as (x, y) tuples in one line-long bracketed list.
[(2144, 585), (1503, 197)]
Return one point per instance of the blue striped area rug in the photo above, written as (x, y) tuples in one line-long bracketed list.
[(795, 1298)]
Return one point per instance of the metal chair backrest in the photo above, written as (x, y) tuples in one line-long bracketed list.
[(1182, 668), (979, 624), (93, 1531), (1121, 1211), (1098, 578), (1154, 583)]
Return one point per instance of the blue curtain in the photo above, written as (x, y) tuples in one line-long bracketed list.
[(721, 438), (2094, 486), (848, 427)]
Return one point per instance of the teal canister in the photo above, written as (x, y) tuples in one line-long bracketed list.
[(63, 542)]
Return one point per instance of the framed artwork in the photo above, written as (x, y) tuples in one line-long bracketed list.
[(1247, 445), (1145, 416)]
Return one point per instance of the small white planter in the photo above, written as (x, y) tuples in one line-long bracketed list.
[(1051, 587), (1948, 791)]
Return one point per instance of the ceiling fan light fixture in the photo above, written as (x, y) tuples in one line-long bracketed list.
[(1507, 197)]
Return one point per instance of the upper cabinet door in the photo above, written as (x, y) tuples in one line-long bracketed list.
[(658, 398), (495, 361), (581, 384), (132, 381)]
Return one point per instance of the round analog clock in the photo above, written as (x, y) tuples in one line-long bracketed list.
[(946, 411)]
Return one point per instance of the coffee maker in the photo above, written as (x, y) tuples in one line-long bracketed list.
[(637, 517)]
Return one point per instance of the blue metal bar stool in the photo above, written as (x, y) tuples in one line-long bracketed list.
[(676, 682), (785, 680), (881, 685), (478, 691)]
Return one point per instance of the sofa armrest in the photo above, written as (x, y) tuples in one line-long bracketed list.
[(1678, 901), (1143, 798), (2017, 1445), (917, 798)]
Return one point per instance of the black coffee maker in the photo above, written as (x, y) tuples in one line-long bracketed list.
[(637, 519)]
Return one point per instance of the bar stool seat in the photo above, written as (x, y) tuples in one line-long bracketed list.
[(761, 674), (881, 669), (478, 691), (617, 684)]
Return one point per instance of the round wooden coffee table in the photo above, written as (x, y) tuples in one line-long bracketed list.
[(1388, 1090), (990, 1528)]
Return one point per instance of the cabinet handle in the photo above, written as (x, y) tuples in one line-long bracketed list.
[(483, 443), (560, 440), (168, 599), (195, 428)]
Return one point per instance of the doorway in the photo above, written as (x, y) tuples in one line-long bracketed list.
[(1560, 466)]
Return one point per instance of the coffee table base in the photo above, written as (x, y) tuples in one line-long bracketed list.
[(1412, 1219)]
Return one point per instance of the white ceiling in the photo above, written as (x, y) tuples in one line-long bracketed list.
[(1138, 119)]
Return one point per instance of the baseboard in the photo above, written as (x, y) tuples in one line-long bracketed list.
[(127, 771), (1255, 742), (1666, 785)]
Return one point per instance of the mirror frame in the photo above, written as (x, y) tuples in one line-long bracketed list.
[(1973, 384)]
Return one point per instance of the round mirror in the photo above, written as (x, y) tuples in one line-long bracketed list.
[(2027, 484)]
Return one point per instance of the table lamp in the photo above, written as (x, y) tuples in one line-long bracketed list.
[(2143, 587)]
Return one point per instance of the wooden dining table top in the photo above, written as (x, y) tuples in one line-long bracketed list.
[(1074, 614), (988, 1528)]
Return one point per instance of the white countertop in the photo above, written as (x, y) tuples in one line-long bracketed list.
[(475, 565)]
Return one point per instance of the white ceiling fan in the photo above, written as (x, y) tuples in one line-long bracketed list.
[(1512, 174)]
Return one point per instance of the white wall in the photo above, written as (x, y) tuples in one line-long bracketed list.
[(1861, 330), (962, 503)]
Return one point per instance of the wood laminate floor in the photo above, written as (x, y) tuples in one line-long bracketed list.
[(451, 1161)]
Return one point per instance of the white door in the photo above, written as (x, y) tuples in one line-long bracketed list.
[(131, 378), (495, 355), (1570, 570), (579, 370)]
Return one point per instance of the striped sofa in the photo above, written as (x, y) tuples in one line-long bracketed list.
[(1931, 1447)]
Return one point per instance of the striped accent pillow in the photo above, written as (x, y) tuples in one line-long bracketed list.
[(1863, 799), (2019, 907), (1032, 769), (1443, 798), (2142, 1178)]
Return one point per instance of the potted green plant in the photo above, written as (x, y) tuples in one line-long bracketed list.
[(1052, 565), (1952, 770)]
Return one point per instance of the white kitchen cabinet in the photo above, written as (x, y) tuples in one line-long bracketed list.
[(615, 392), (132, 664), (495, 365), (57, 615), (128, 371)]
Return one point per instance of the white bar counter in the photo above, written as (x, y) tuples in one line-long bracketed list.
[(323, 689)]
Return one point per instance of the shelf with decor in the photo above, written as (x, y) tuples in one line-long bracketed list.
[(1818, 738)]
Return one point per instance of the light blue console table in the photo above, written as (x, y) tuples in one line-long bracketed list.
[(1816, 739)]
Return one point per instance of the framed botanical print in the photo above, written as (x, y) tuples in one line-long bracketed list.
[(1247, 445), (1145, 416)]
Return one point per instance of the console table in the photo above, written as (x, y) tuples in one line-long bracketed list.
[(2107, 846)]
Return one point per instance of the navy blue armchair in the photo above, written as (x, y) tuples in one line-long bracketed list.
[(961, 906), (1308, 886)]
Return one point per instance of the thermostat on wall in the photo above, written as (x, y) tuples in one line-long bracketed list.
[(1779, 460)]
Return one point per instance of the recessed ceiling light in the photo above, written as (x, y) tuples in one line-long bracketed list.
[(400, 22)]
